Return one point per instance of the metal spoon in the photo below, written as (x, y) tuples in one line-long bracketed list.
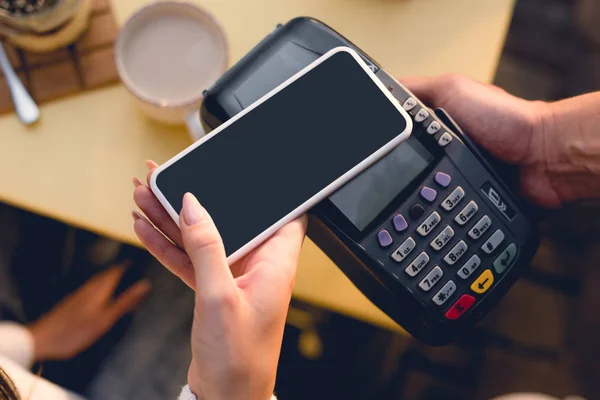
[(25, 107)]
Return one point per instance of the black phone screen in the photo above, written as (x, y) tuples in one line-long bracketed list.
[(273, 159)]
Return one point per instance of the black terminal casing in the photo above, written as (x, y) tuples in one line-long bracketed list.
[(287, 50)]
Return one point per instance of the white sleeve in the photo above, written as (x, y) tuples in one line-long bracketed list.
[(32, 387), (16, 343), (186, 394)]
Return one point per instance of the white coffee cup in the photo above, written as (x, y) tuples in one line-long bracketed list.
[(167, 54)]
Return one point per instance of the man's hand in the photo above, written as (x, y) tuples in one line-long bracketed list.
[(533, 135)]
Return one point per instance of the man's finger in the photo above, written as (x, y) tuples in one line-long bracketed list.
[(156, 213), (173, 258), (130, 299), (205, 248)]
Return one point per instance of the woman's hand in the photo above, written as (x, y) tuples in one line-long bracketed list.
[(84, 316), (240, 310)]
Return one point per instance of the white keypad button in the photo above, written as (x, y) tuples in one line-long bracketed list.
[(467, 269), (455, 197), (445, 139), (417, 265), (433, 127), (442, 238), (445, 293), (431, 279), (459, 250), (466, 213), (409, 104), (493, 242), (480, 227), (421, 115), (429, 224), (404, 249)]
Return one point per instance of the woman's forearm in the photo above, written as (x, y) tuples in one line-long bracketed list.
[(571, 131)]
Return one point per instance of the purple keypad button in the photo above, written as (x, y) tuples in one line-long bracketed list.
[(385, 239), (428, 194), (442, 179), (400, 223)]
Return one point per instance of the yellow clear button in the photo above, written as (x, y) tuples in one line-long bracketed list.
[(483, 283)]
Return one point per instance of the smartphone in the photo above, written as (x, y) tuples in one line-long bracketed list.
[(289, 150)]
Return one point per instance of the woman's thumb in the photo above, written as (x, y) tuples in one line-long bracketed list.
[(205, 248)]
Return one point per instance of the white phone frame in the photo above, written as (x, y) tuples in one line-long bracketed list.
[(325, 192)]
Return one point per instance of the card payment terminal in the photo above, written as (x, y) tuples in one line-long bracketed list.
[(430, 233)]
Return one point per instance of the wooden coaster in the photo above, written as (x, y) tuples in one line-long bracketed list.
[(86, 64)]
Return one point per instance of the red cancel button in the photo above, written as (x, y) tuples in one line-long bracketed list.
[(460, 307)]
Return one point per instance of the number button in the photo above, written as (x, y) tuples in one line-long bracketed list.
[(404, 249), (466, 213), (455, 197), (467, 269), (431, 279), (443, 238), (483, 282), (445, 293), (506, 258), (493, 242), (417, 265), (456, 253), (480, 227), (429, 224)]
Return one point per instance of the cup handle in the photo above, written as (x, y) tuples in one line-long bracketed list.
[(194, 126)]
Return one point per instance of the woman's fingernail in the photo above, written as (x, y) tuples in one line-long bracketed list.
[(192, 210), (136, 182), (151, 164), (136, 215)]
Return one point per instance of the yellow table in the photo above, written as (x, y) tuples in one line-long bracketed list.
[(76, 165)]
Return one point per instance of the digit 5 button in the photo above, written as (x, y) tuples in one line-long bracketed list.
[(461, 306), (483, 282)]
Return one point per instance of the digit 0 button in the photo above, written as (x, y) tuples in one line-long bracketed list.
[(453, 199), (429, 224), (404, 249), (466, 213), (461, 306), (467, 269), (483, 282)]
